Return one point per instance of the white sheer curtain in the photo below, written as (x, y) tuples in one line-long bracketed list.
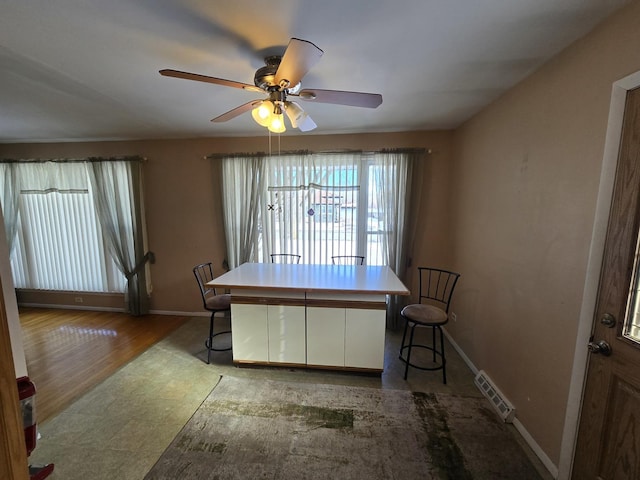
[(391, 172), (116, 187), (9, 200), (242, 186)]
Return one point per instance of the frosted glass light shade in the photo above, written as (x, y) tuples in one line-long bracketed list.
[(295, 113), (262, 113), (299, 118), (276, 124)]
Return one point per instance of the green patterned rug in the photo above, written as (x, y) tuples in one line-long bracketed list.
[(264, 429)]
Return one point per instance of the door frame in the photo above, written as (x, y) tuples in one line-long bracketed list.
[(13, 454), (594, 267)]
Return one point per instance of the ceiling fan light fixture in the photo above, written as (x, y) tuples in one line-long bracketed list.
[(269, 114), (276, 125), (262, 113), (295, 113), (307, 124)]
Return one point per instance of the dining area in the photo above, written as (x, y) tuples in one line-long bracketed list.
[(321, 316)]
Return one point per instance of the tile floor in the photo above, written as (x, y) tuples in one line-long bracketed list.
[(120, 428)]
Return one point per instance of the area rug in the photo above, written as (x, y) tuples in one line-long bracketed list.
[(265, 429)]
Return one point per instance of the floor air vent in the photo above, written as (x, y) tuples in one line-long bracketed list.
[(502, 406)]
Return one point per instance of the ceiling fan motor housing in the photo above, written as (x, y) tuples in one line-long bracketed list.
[(265, 76)]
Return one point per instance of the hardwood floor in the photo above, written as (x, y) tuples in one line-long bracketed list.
[(70, 351)]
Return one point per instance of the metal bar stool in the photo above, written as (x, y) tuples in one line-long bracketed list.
[(285, 258), (347, 260), (213, 302), (436, 290)]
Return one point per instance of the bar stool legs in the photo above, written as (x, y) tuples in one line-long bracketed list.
[(209, 342), (438, 352)]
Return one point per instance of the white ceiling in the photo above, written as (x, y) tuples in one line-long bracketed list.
[(88, 69)]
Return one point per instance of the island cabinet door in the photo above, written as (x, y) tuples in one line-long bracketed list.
[(325, 336), (287, 334), (250, 335), (364, 338)]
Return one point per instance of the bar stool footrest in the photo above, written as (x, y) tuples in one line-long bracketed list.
[(209, 341), (439, 366)]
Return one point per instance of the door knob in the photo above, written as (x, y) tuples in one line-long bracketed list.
[(600, 347)]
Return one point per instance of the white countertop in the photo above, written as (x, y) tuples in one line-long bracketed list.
[(312, 278)]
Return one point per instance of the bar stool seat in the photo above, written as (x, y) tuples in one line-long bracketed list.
[(427, 315), (421, 315), (218, 302)]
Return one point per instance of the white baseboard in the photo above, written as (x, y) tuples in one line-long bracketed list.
[(546, 461), (526, 436), (457, 348)]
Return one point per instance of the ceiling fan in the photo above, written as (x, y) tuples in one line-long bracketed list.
[(281, 78)]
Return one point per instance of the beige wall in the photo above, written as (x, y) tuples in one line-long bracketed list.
[(184, 216), (526, 172)]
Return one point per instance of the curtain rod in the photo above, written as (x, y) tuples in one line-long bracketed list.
[(132, 158), (310, 152)]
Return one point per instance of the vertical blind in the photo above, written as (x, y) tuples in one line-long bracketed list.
[(312, 207), (59, 243)]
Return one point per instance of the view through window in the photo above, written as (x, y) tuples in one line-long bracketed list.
[(315, 205), (338, 215)]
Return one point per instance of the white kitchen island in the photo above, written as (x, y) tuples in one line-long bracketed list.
[(322, 316)]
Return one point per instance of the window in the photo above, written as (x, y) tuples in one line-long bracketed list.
[(60, 246), (316, 206), (59, 241)]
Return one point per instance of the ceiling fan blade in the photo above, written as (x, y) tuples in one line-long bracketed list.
[(297, 60), (338, 97), (204, 78), (237, 111)]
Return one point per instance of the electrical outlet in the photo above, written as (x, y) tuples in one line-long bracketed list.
[(453, 316), (78, 300)]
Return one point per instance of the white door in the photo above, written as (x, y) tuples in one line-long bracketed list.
[(287, 334), (364, 338), (325, 336), (250, 335)]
